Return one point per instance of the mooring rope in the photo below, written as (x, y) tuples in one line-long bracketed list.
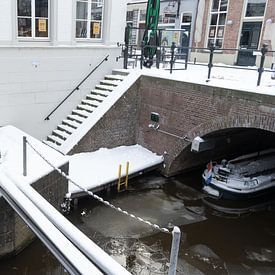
[(90, 193)]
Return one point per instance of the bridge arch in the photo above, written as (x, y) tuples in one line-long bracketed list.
[(182, 161)]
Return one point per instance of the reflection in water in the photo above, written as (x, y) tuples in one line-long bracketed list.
[(218, 238)]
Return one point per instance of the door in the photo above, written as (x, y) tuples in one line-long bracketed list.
[(184, 40), (249, 42)]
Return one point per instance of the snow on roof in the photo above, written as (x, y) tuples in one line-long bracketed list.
[(11, 160), (236, 79), (97, 168)]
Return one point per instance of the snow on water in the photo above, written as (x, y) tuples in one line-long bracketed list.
[(11, 160), (93, 169), (237, 78)]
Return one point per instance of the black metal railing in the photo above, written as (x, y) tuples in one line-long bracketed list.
[(134, 53), (77, 87)]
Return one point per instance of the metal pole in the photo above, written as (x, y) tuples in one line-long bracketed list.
[(210, 63), (142, 54), (158, 58), (173, 46), (126, 49), (261, 68), (174, 251), (24, 156)]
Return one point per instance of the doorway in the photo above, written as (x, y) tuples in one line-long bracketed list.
[(249, 42)]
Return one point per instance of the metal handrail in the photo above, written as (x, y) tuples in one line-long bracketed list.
[(76, 88)]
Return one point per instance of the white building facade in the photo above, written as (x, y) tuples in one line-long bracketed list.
[(46, 48)]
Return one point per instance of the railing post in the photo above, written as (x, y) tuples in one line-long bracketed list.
[(210, 63), (173, 46), (264, 50), (24, 156), (126, 49), (158, 58), (174, 251), (142, 54), (186, 58)]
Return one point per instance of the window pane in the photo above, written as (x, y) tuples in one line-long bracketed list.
[(218, 43), (41, 8), (222, 18), (129, 16), (41, 27), (81, 10), (220, 32), (223, 6), (255, 8), (81, 29), (215, 5), (210, 41), (24, 27), (24, 7), (95, 30), (96, 12), (214, 19), (212, 31), (186, 18)]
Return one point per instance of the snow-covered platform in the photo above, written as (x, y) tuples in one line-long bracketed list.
[(11, 156), (98, 170)]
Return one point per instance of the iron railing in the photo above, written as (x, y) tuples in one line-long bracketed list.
[(134, 53), (77, 87)]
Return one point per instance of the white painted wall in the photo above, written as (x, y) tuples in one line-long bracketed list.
[(36, 76), (6, 21)]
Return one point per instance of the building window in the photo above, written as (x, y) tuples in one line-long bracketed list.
[(217, 22), (89, 16), (255, 8), (33, 18), (142, 16)]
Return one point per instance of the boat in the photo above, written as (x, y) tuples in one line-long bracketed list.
[(245, 177)]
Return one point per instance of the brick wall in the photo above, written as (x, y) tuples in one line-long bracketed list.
[(117, 127), (14, 233), (196, 110)]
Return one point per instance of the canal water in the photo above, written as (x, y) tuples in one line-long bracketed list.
[(216, 238)]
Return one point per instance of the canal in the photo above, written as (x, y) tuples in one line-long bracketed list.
[(217, 238)]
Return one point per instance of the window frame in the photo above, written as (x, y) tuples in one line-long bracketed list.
[(89, 21), (253, 18), (33, 18), (218, 12)]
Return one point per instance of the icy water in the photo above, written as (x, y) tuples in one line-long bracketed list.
[(216, 239)]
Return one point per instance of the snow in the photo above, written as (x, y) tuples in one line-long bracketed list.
[(11, 160), (98, 113), (236, 79), (97, 168)]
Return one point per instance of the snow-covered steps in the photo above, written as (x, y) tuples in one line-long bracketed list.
[(110, 82), (93, 103), (114, 77), (104, 87)]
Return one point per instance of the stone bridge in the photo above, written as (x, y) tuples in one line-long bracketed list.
[(238, 121)]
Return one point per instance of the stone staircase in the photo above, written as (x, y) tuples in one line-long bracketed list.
[(85, 109)]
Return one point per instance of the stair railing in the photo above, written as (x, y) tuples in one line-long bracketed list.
[(76, 88)]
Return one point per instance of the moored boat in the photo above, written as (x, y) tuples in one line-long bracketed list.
[(245, 177)]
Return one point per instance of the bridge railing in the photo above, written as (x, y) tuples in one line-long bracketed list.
[(170, 55), (85, 245)]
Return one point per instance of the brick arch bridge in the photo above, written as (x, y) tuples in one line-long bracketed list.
[(260, 122), (188, 109), (185, 109)]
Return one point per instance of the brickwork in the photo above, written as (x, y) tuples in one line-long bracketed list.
[(232, 32), (117, 127), (14, 233), (196, 110)]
